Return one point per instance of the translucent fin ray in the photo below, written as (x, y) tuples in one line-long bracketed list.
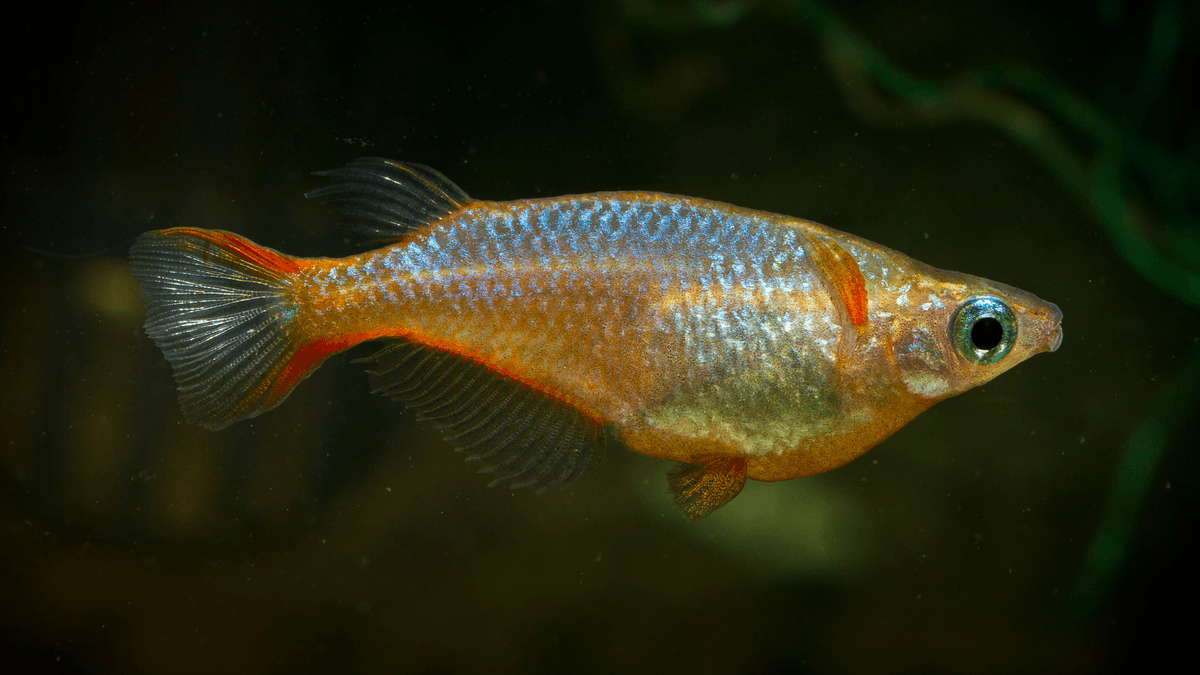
[(706, 486), (217, 306), (385, 199), (524, 437)]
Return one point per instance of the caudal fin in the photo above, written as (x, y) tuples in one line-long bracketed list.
[(219, 308)]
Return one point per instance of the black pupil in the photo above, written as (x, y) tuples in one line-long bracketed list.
[(986, 333)]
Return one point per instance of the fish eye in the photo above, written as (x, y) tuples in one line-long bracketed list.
[(983, 330)]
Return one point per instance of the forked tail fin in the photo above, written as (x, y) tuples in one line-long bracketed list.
[(219, 308)]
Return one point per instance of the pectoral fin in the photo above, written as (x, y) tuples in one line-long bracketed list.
[(706, 486), (843, 277)]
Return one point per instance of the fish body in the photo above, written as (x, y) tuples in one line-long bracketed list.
[(739, 343)]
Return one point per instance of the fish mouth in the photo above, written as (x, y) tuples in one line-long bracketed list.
[(1057, 336)]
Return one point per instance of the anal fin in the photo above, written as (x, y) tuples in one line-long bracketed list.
[(525, 437), (706, 486)]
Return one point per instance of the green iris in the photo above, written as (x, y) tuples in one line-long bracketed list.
[(983, 330)]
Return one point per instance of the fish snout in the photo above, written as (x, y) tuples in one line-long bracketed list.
[(1056, 334), (1056, 340)]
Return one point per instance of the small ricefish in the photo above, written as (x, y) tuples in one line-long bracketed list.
[(738, 343)]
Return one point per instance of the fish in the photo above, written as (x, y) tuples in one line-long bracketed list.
[(534, 333)]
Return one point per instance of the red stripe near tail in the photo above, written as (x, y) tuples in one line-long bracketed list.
[(220, 308)]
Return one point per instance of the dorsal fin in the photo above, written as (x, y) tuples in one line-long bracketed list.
[(524, 436), (386, 199)]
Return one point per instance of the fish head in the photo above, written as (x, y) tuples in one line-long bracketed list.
[(970, 331)]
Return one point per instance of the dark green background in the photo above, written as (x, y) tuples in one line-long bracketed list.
[(335, 533)]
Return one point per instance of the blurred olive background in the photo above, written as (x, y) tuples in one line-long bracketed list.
[(1037, 524)]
